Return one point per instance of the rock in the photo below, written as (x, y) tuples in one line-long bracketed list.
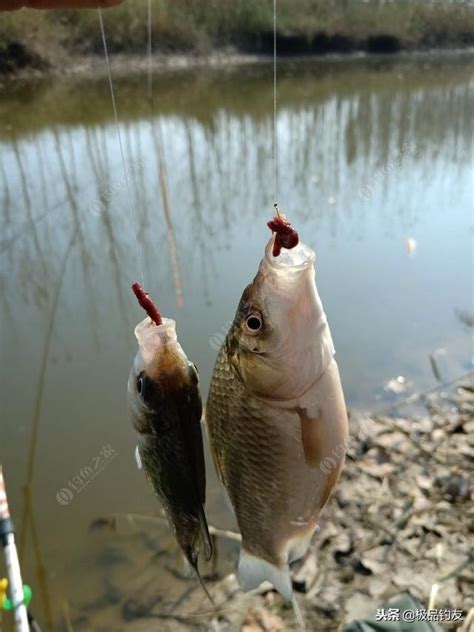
[(389, 440), (358, 606), (466, 451), (424, 482), (396, 385), (327, 533), (438, 435), (409, 578), (306, 575), (342, 544), (455, 488), (377, 470), (376, 559), (377, 587), (343, 497), (347, 574), (260, 620), (468, 427), (459, 489)]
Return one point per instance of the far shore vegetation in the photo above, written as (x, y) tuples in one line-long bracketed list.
[(200, 27)]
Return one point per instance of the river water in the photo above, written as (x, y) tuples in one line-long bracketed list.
[(375, 171)]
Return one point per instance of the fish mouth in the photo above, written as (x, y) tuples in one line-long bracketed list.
[(160, 354), (298, 258), (152, 337)]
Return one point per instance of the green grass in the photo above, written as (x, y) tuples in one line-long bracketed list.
[(205, 25)]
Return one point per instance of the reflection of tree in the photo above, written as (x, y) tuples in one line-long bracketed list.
[(136, 189), (84, 250), (199, 96), (159, 145), (193, 177), (6, 200), (338, 128), (42, 174), (27, 521), (99, 165), (28, 204)]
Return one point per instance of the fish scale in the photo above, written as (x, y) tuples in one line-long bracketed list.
[(254, 450), (182, 505)]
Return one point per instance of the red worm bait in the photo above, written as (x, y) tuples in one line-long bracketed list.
[(147, 304), (286, 236)]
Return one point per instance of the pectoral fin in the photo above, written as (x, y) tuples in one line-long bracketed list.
[(314, 445), (311, 437)]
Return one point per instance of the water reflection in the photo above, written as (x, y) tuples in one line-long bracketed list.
[(370, 152)]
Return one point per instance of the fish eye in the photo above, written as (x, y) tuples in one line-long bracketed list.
[(140, 385), (254, 323)]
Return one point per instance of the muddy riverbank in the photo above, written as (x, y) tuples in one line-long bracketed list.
[(398, 524)]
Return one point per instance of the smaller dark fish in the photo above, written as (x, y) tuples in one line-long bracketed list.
[(165, 407)]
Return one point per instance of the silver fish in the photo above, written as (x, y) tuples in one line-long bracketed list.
[(276, 416)]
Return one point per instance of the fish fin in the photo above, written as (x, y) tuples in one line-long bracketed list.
[(205, 537), (253, 571), (312, 429), (298, 545), (138, 458), (194, 565)]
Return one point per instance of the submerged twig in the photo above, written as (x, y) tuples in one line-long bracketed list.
[(186, 619), (417, 396), (107, 520), (67, 616), (435, 367)]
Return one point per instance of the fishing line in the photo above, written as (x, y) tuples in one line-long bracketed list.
[(275, 137), (159, 149), (298, 614), (119, 136)]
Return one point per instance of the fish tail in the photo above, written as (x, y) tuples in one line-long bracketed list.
[(253, 571), (205, 537), (194, 564)]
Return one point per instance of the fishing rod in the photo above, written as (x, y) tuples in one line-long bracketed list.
[(17, 592)]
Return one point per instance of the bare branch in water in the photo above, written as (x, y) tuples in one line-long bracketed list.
[(109, 521)]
